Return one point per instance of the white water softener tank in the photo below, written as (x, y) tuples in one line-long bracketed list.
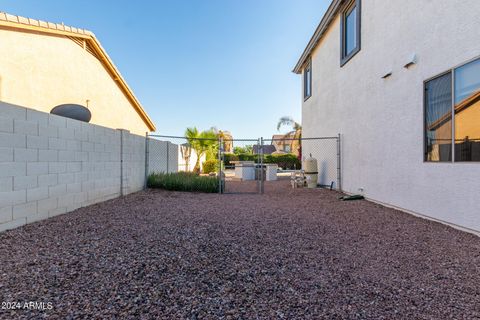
[(310, 168)]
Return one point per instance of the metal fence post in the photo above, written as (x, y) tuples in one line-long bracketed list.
[(261, 167), (220, 173), (257, 169), (146, 160), (339, 163), (121, 163), (168, 156)]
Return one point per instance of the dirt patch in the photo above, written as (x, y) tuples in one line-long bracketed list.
[(286, 254)]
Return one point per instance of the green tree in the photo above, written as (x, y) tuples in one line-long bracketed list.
[(201, 142), (288, 121), (242, 150)]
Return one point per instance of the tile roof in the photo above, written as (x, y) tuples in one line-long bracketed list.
[(42, 24)]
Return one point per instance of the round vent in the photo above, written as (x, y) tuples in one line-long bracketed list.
[(72, 111)]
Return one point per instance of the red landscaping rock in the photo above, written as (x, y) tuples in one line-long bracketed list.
[(288, 254)]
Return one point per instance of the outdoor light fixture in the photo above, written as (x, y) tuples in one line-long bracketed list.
[(411, 61)]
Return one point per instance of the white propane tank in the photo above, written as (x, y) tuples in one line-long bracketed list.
[(311, 171)]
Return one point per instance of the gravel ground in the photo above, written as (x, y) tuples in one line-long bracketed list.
[(293, 254)]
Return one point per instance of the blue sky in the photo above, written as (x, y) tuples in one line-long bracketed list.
[(204, 63)]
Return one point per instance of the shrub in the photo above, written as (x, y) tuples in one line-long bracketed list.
[(228, 157), (287, 161), (210, 166), (246, 149), (183, 181), (248, 157)]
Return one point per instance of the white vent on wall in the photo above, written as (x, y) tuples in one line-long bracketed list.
[(85, 45), (411, 61)]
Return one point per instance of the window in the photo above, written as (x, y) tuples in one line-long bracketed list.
[(438, 119), (458, 139), (350, 32), (467, 112), (287, 148), (307, 81)]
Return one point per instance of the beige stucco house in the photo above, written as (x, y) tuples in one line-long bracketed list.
[(46, 64), (285, 143)]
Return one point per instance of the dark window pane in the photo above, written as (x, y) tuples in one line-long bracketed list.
[(307, 81), (438, 119), (351, 31), (467, 112)]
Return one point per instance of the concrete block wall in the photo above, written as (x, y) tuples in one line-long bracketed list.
[(50, 165), (133, 162)]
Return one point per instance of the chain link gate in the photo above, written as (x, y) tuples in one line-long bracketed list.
[(291, 151), (265, 165), (273, 161)]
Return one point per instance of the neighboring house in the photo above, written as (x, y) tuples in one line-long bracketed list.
[(467, 147), (227, 141), (284, 143), (46, 64), (400, 80)]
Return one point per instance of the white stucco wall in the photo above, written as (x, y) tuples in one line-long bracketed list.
[(167, 157), (381, 121), (184, 165), (42, 71)]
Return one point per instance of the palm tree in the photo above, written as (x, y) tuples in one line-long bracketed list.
[(288, 121), (201, 142), (296, 133)]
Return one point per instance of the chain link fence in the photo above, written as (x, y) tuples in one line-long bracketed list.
[(290, 154), (170, 154), (245, 165), (240, 169)]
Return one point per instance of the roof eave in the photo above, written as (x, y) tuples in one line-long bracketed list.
[(84, 34), (327, 19)]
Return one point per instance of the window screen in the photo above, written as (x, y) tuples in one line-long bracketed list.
[(350, 31), (467, 112), (438, 119), (307, 81)]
